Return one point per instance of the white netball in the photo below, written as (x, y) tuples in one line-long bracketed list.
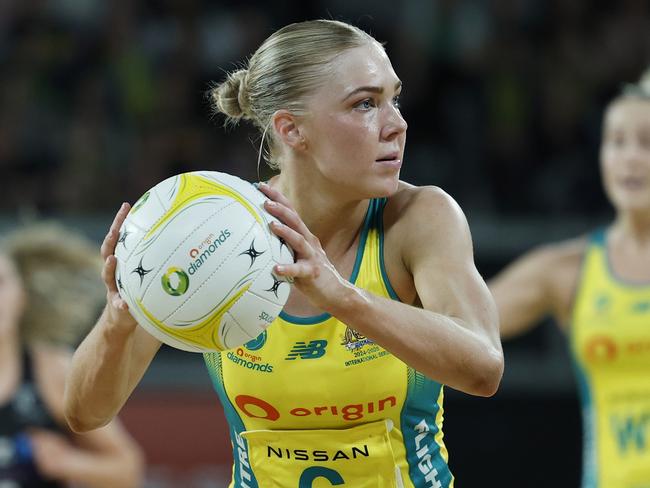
[(195, 261)]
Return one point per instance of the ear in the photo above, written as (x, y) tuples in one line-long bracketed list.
[(287, 129)]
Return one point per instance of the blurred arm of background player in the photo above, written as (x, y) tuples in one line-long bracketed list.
[(112, 359), (105, 458), (539, 283)]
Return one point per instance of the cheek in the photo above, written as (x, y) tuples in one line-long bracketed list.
[(608, 158), (353, 136)]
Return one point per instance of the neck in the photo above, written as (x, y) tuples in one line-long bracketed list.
[(634, 227), (328, 215)]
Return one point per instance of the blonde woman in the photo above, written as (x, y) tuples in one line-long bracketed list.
[(49, 296), (598, 289), (386, 304)]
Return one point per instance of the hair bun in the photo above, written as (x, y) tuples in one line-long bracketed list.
[(639, 89), (231, 96), (644, 82)]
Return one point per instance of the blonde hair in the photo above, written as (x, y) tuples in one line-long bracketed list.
[(289, 66), (60, 270)]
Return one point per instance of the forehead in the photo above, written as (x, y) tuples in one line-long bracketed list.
[(366, 65), (628, 112)]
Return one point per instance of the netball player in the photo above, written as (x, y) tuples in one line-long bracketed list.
[(47, 278), (598, 289), (345, 387)]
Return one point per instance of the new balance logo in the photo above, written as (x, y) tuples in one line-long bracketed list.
[(311, 350)]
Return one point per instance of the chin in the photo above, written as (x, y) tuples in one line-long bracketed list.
[(387, 188), (633, 206)]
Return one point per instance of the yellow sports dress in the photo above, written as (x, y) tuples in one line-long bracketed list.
[(313, 403), (610, 340)]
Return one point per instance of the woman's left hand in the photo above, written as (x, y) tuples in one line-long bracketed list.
[(312, 273)]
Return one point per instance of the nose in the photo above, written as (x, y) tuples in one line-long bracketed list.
[(394, 124)]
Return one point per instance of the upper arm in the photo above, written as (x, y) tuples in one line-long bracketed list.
[(522, 292), (438, 253), (536, 284)]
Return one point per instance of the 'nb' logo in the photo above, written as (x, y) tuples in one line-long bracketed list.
[(304, 350)]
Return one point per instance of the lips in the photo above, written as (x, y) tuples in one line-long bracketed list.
[(633, 183), (389, 157)]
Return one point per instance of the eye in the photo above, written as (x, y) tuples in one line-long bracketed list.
[(397, 100), (366, 104), (616, 139)]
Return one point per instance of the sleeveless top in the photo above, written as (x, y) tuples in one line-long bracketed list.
[(25, 410), (312, 402), (610, 342)]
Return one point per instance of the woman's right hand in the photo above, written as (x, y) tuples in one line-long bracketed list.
[(117, 310)]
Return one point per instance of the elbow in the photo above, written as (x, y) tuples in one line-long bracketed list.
[(488, 376), (79, 423), (77, 417)]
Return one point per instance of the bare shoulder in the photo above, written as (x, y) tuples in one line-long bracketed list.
[(419, 220), (557, 265), (423, 209), (560, 258), (564, 262)]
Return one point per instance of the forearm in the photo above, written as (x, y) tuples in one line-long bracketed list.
[(443, 348), (98, 382), (102, 470)]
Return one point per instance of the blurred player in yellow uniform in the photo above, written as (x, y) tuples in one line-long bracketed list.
[(598, 289)]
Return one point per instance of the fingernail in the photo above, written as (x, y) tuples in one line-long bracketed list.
[(279, 268), (271, 203), (263, 185)]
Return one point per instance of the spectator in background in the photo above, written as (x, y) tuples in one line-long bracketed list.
[(598, 289), (49, 294)]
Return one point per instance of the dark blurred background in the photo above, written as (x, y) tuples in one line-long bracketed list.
[(101, 100)]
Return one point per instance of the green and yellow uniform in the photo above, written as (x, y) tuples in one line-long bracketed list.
[(312, 403)]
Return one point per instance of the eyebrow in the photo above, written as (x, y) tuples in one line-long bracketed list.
[(372, 89)]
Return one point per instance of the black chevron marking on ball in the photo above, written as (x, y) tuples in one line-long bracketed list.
[(276, 285), (252, 253), (123, 237), (282, 243), (141, 272)]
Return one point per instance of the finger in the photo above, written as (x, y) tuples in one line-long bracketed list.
[(108, 273), (299, 270), (294, 239), (289, 217), (108, 245), (275, 195), (118, 302)]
